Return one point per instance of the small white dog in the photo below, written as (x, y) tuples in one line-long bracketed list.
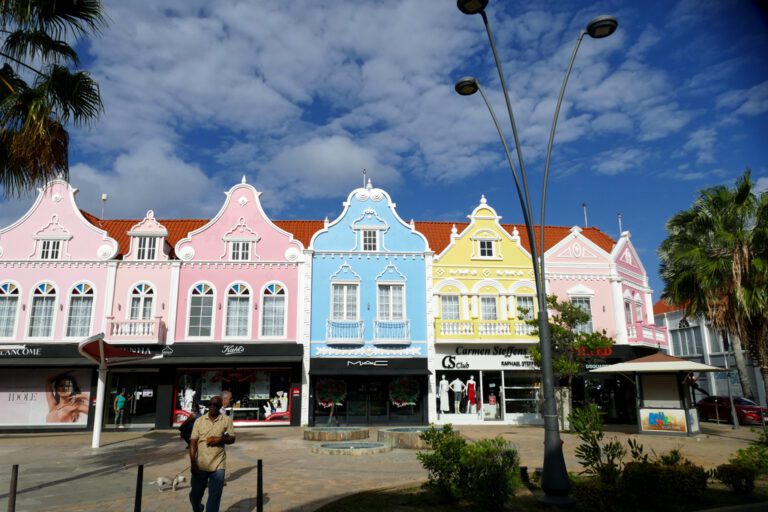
[(165, 482)]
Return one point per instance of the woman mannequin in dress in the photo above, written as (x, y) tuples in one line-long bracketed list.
[(471, 394), (443, 394)]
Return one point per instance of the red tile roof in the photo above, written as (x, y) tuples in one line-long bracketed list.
[(663, 306), (438, 234)]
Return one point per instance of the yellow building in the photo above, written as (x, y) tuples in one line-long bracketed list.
[(482, 293)]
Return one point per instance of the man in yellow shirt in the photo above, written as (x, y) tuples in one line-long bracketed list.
[(207, 456)]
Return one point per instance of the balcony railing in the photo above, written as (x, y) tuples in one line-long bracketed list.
[(146, 331), (483, 329), (645, 333), (392, 332), (344, 332)]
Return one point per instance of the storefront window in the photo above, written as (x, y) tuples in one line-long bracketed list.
[(330, 400), (521, 392), (458, 392), (257, 395)]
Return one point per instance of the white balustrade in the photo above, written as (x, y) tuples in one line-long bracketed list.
[(345, 331), (456, 327), (152, 330)]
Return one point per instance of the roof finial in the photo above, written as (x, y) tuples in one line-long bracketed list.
[(243, 180), (482, 199), (326, 222), (369, 186), (454, 230), (413, 224), (515, 233)]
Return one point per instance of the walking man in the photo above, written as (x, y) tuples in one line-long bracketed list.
[(207, 456)]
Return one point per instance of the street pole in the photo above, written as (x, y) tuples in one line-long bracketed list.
[(555, 481)]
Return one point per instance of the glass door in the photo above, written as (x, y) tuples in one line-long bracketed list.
[(492, 397), (378, 394), (357, 403), (132, 399)]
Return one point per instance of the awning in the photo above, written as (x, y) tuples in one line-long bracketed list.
[(105, 354), (657, 363)]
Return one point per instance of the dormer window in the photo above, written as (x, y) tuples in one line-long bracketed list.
[(240, 251), (147, 248), (370, 240), (50, 249), (486, 249)]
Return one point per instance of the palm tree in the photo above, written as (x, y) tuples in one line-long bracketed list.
[(41, 89), (715, 263)]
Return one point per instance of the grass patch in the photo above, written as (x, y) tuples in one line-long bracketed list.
[(414, 498)]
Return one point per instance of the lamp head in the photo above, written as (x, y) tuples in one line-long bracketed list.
[(467, 86), (471, 6), (602, 26)]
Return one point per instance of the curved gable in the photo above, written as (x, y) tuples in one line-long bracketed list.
[(55, 216), (576, 249), (240, 219), (369, 209)]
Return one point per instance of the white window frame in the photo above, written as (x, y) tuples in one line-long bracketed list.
[(18, 296), (47, 248), (356, 284), (213, 310), (240, 250), (262, 297), (638, 310), (366, 239), (492, 243), (458, 306), (70, 296), (146, 248), (495, 299), (589, 326), (54, 317), (629, 314), (390, 285), (225, 316), (143, 297), (531, 314)]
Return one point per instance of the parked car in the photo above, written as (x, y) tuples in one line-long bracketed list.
[(719, 407)]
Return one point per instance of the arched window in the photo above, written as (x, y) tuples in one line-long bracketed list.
[(9, 307), (43, 306), (638, 308), (142, 299), (238, 310), (80, 308), (201, 311), (273, 311)]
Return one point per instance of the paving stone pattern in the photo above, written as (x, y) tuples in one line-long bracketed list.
[(60, 472)]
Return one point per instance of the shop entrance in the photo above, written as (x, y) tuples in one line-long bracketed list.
[(367, 402), (492, 396), (140, 406)]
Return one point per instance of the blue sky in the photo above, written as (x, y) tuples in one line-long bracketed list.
[(301, 96)]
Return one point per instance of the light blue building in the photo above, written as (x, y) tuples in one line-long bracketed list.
[(368, 321)]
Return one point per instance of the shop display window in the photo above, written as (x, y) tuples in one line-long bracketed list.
[(258, 395), (458, 392), (522, 392)]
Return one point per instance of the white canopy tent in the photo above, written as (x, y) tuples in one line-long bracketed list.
[(105, 355)]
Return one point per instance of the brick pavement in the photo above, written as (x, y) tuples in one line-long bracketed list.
[(60, 472)]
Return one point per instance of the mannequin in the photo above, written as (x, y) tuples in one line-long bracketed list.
[(458, 387), (443, 394), (471, 394)]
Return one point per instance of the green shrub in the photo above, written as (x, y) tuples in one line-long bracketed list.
[(489, 472), (673, 458), (677, 483), (593, 495), (741, 479), (754, 456), (443, 463), (598, 459)]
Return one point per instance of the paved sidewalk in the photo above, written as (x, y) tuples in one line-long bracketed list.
[(60, 472)]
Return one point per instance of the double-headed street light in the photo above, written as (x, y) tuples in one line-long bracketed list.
[(554, 481)]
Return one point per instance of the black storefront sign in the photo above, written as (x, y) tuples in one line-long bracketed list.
[(380, 366), (182, 352)]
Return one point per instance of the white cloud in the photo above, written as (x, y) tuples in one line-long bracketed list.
[(747, 102), (702, 142), (619, 160), (761, 185)]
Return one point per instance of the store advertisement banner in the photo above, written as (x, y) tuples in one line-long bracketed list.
[(486, 357), (663, 420), (44, 397)]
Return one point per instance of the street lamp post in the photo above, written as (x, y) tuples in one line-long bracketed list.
[(554, 482)]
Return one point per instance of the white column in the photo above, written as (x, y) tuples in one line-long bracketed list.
[(173, 303), (98, 417), (503, 307), (109, 296), (618, 311), (304, 318)]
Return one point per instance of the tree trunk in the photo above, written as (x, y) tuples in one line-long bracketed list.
[(741, 366)]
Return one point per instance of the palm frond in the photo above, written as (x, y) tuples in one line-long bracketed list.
[(21, 45)]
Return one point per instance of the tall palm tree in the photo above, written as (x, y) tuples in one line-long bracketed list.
[(715, 263), (41, 89)]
